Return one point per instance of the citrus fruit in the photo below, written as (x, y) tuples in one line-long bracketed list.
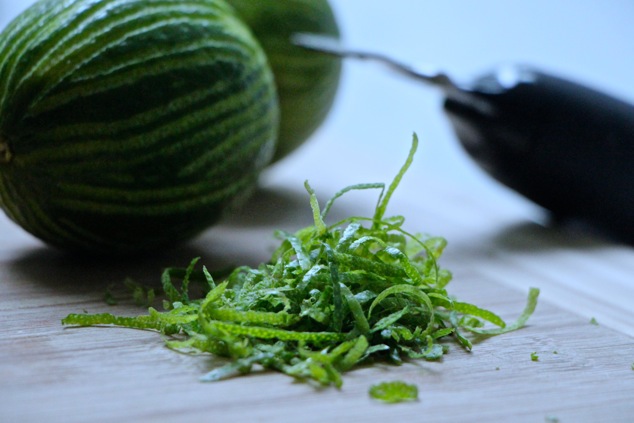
[(306, 82), (129, 125)]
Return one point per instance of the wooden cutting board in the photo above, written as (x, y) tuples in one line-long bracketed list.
[(584, 372), (496, 251)]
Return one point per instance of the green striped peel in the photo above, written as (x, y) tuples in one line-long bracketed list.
[(129, 125), (306, 82)]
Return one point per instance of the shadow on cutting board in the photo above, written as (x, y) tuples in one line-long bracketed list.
[(244, 237), (531, 236)]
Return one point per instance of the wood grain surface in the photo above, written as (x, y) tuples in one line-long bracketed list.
[(499, 246), (584, 372)]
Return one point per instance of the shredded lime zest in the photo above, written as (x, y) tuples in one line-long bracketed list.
[(141, 295), (534, 356), (332, 296), (394, 392)]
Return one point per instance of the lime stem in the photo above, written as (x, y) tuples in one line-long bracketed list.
[(5, 152)]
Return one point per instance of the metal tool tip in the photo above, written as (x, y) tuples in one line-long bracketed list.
[(331, 45), (317, 42)]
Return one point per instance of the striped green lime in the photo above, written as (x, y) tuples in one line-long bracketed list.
[(306, 82), (128, 125)]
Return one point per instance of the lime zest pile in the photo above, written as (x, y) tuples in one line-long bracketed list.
[(394, 392), (332, 297)]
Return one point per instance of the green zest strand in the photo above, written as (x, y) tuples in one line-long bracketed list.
[(332, 297)]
